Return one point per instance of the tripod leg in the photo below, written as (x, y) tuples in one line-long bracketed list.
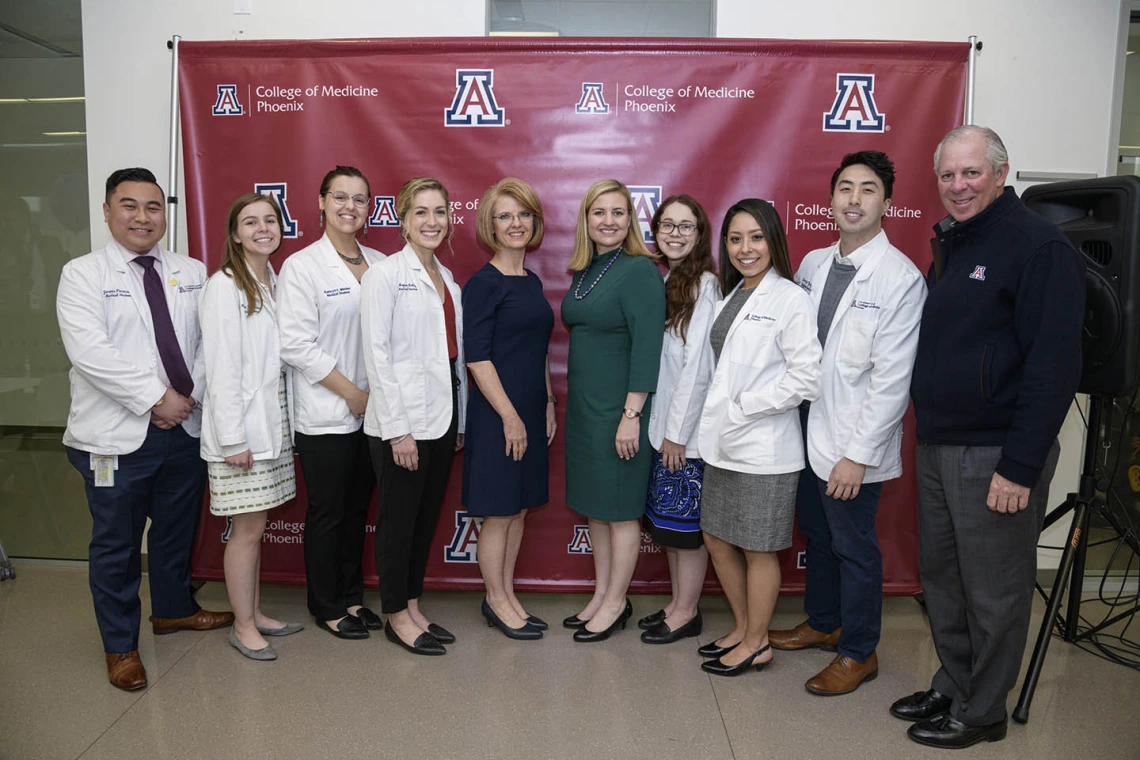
[(1021, 712)]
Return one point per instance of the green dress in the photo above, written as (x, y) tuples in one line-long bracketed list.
[(616, 331)]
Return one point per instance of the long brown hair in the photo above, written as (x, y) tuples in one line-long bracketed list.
[(684, 283), (233, 262), (768, 218)]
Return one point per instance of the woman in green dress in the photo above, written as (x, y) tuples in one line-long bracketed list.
[(615, 312)]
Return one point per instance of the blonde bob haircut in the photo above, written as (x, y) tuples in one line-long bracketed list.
[(524, 195), (407, 196), (584, 246)]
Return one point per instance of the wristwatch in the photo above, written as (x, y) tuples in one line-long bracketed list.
[(631, 414), (158, 403), (552, 399)]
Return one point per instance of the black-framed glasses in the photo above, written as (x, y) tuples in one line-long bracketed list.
[(685, 228)]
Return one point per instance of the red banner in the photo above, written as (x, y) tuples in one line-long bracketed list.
[(718, 119)]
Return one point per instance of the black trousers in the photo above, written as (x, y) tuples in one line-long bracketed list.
[(339, 480), (410, 503)]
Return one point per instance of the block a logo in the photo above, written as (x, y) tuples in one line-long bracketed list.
[(464, 546), (227, 529), (580, 544), (592, 100), (384, 215), (279, 192), (646, 199), (474, 104), (227, 103), (854, 108)]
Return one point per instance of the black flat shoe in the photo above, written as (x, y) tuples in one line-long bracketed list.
[(425, 642), (921, 705), (369, 619), (945, 732), (718, 668), (574, 622), (649, 621), (661, 633), (525, 633), (537, 622), (441, 634), (348, 628), (712, 649), (585, 635)]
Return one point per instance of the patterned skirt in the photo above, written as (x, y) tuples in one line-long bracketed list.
[(673, 505), (266, 485)]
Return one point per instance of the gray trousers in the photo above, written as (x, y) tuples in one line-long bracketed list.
[(978, 569)]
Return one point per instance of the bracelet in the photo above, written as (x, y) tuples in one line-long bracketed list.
[(400, 439), (552, 399)]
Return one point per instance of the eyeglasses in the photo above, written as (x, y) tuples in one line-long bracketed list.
[(685, 228), (340, 199), (522, 216)]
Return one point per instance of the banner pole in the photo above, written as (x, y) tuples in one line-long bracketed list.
[(972, 68), (172, 188)]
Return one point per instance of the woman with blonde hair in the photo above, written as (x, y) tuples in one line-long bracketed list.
[(615, 310)]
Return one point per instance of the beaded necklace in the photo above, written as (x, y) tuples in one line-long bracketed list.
[(578, 296)]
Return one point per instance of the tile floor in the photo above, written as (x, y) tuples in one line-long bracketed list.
[(491, 697)]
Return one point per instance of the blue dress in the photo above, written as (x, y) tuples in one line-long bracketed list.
[(506, 320)]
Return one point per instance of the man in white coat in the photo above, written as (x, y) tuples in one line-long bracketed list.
[(869, 299), (128, 315)]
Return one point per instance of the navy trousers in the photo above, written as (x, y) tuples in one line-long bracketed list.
[(163, 480)]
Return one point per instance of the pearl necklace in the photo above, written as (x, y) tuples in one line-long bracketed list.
[(578, 296)]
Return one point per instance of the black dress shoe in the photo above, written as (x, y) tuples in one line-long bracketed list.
[(348, 628), (586, 635), (718, 668), (526, 632), (574, 622), (425, 642), (921, 705), (369, 619), (661, 633), (537, 622), (441, 634), (713, 649), (946, 732), (649, 621)]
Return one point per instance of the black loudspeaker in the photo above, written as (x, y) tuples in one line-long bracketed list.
[(1101, 217)]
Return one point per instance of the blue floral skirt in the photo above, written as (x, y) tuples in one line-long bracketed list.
[(673, 505)]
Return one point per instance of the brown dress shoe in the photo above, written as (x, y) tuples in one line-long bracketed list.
[(803, 636), (125, 670), (843, 676), (202, 620)]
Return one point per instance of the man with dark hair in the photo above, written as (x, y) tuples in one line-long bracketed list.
[(999, 359), (128, 315), (868, 297)]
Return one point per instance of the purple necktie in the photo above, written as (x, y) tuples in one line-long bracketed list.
[(168, 349)]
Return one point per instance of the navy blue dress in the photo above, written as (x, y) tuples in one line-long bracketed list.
[(506, 320)]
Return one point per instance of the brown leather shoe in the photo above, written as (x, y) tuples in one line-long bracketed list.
[(843, 676), (125, 670), (803, 636), (202, 620)]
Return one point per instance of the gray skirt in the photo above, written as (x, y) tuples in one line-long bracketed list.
[(754, 512)]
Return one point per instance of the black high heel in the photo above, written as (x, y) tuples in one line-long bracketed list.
[(585, 635), (525, 633), (712, 649), (537, 622), (574, 622), (718, 668)]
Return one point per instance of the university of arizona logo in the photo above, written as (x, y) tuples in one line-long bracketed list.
[(646, 199), (592, 101), (384, 215), (279, 192), (464, 546), (580, 544), (227, 103), (854, 108), (474, 104), (801, 560), (979, 273), (227, 529)]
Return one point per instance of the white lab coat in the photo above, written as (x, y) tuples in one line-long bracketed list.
[(769, 365), (868, 358), (686, 371), (318, 314), (108, 334), (242, 409), (405, 348)]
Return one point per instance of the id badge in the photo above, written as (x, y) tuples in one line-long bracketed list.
[(104, 468)]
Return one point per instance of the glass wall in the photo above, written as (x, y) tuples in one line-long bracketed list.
[(43, 224), (601, 18)]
